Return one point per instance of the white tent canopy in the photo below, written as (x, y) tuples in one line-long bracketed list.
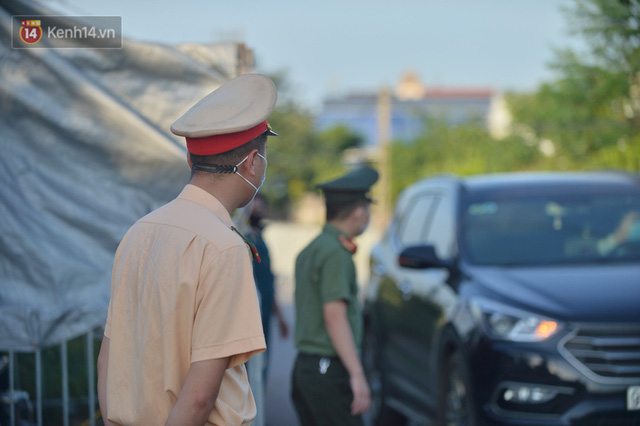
[(85, 150)]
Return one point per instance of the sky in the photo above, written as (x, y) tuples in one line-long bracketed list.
[(335, 47)]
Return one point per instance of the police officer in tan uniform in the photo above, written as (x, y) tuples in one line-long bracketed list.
[(328, 383), (183, 316)]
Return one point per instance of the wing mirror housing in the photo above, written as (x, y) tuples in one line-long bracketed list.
[(421, 257)]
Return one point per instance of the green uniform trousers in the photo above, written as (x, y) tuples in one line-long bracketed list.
[(321, 392)]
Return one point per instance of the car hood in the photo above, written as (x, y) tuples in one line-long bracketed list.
[(608, 293)]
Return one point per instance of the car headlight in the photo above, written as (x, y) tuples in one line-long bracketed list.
[(506, 323)]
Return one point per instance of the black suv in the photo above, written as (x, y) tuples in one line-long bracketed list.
[(508, 299)]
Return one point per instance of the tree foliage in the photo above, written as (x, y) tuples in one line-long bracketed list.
[(462, 150), (301, 156), (587, 117), (593, 108)]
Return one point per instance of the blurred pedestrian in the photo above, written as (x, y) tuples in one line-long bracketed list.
[(328, 383), (265, 279), (183, 316), (250, 222)]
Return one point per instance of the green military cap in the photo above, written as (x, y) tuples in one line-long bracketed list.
[(353, 186)]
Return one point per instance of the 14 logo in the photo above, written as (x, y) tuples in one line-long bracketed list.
[(30, 31)]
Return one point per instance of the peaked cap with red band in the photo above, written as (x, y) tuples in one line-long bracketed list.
[(230, 116)]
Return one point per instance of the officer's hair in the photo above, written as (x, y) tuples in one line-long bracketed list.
[(340, 211), (233, 157)]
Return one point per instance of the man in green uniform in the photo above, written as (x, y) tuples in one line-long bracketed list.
[(328, 384)]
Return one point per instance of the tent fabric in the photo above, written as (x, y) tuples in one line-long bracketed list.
[(85, 150)]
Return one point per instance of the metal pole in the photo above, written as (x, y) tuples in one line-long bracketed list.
[(91, 379), (65, 383), (39, 385), (12, 387), (384, 112)]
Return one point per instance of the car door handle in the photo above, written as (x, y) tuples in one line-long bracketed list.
[(406, 289)]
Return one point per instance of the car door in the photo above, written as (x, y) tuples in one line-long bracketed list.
[(406, 296)]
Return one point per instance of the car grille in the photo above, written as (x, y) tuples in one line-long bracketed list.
[(608, 352)]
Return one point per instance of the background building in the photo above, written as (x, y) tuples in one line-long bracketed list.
[(409, 107)]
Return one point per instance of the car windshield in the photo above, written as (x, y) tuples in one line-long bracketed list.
[(559, 226)]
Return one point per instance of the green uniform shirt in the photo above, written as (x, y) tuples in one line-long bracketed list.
[(324, 272)]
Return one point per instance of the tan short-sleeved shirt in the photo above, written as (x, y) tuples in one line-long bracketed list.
[(182, 291)]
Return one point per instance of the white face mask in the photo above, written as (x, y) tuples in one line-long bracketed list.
[(264, 175)]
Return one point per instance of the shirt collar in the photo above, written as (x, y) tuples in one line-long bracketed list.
[(332, 230), (199, 196)]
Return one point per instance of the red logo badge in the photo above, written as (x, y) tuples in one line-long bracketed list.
[(30, 31)]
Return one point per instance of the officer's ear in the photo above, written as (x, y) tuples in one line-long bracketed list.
[(360, 212), (189, 160), (252, 162)]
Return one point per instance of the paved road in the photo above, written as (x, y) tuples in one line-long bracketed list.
[(279, 410)]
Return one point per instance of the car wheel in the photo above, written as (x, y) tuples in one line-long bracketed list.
[(456, 407), (378, 414)]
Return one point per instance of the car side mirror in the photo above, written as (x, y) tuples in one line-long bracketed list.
[(421, 257)]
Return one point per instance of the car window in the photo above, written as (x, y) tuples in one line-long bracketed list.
[(561, 228), (414, 224), (440, 230)]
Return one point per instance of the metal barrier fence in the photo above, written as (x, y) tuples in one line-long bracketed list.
[(17, 400)]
